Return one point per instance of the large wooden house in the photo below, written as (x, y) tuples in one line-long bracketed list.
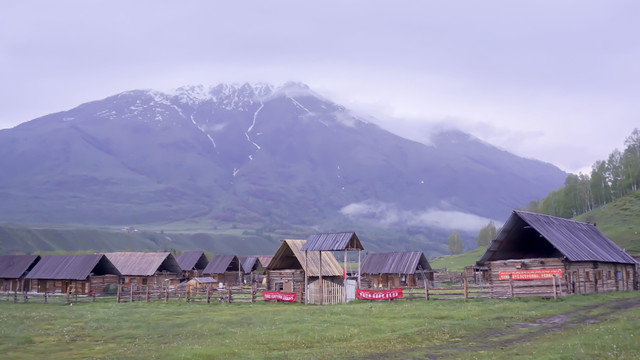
[(13, 269), (75, 274), (288, 267), (548, 256), (396, 269), (156, 269), (225, 269), (252, 268), (192, 263)]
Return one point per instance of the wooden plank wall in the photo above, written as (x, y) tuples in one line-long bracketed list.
[(578, 278)]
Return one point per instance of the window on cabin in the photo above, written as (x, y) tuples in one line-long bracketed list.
[(279, 286), (403, 279), (121, 281), (609, 275), (134, 281), (588, 276), (599, 275), (144, 281)]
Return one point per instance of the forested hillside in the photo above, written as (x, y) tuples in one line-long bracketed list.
[(610, 179)]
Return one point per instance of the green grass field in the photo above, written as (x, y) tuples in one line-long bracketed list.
[(594, 326)]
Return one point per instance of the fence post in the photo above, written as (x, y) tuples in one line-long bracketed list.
[(466, 288), (229, 294), (15, 295), (253, 292), (67, 295), (45, 297), (166, 295), (187, 294), (131, 294), (510, 285), (118, 293), (555, 295), (209, 294), (426, 289), (147, 294)]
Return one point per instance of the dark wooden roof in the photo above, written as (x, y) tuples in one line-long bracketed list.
[(333, 242), (220, 264), (204, 280), (15, 266), (290, 256), (408, 262), (530, 235), (192, 260), (250, 263), (144, 263), (72, 267)]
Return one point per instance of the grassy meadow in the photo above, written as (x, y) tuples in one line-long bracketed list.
[(593, 326)]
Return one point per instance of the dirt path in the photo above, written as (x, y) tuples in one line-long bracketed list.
[(495, 339)]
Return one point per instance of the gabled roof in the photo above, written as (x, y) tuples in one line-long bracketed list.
[(265, 260), (72, 267), (528, 235), (220, 264), (144, 263), (291, 256), (408, 262), (192, 260), (333, 242), (250, 263), (15, 266)]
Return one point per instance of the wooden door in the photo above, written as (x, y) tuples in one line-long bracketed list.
[(288, 287)]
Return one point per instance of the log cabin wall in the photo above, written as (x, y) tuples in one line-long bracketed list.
[(577, 278), (285, 280)]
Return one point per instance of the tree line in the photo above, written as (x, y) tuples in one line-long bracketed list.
[(609, 180)]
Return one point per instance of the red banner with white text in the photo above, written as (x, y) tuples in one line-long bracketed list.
[(280, 296), (379, 294), (530, 274)]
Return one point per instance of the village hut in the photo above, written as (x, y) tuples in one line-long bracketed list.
[(13, 269), (396, 269), (146, 268), (335, 242), (252, 268), (192, 263), (75, 274), (289, 267), (225, 269), (201, 282), (543, 255)]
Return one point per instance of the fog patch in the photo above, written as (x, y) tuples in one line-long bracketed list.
[(389, 214)]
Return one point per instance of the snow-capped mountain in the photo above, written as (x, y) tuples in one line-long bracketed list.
[(251, 154)]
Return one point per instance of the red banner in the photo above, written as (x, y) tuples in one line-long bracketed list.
[(530, 274), (379, 294), (280, 296)]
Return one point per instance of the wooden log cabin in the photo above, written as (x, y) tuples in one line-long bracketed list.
[(396, 269), (286, 271), (541, 255), (75, 274), (192, 263), (13, 269), (156, 269), (225, 269), (252, 268)]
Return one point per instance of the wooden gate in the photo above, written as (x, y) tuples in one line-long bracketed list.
[(332, 292)]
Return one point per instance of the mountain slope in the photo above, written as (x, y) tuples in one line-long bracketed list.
[(251, 154)]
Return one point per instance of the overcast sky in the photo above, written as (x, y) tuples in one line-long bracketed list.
[(557, 81)]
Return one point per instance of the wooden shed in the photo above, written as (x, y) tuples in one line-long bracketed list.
[(76, 274), (146, 268), (13, 269), (225, 269), (541, 255), (252, 268), (192, 263), (201, 282), (287, 269), (396, 269)]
